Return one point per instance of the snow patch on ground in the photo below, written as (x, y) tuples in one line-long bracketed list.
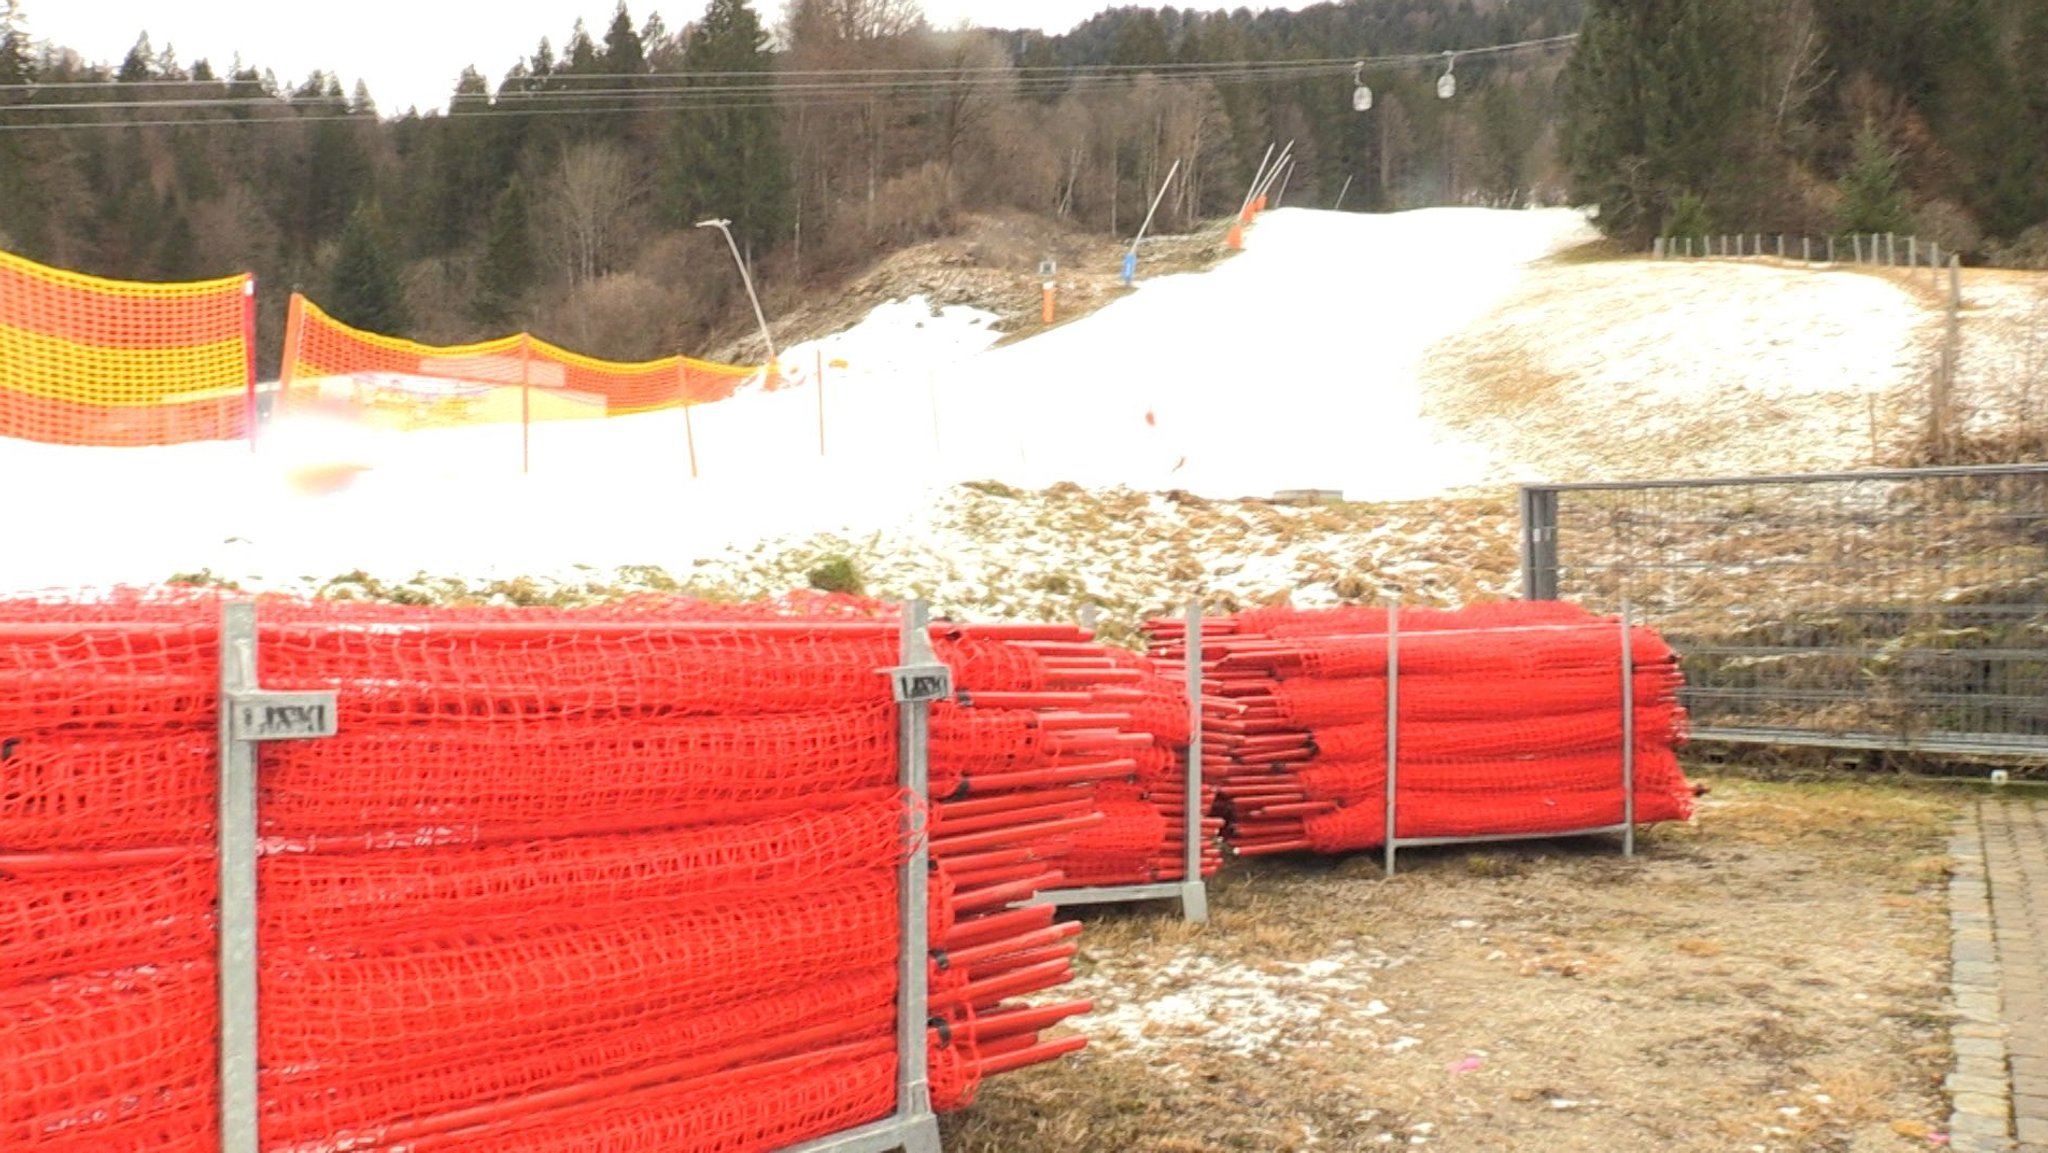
[(1291, 366), (1399, 357), (1213, 1007), (1685, 369)]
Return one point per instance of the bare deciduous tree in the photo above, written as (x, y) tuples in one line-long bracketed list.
[(590, 210), (851, 20), (1796, 68), (979, 81)]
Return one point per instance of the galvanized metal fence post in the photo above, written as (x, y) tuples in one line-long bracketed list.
[(1628, 735), (1393, 727), (917, 682), (246, 716), (1539, 543), (1194, 893), (235, 833)]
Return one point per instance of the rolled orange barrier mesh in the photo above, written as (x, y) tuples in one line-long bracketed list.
[(1509, 724)]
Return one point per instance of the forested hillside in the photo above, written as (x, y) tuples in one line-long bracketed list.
[(1816, 116), (559, 192)]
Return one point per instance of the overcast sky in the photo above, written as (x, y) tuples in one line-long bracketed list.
[(411, 52)]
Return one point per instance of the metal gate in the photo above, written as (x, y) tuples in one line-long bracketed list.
[(1903, 610)]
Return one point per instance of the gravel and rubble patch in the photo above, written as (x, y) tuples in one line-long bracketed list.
[(986, 551)]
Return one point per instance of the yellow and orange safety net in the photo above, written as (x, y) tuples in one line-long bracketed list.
[(511, 379), (89, 361)]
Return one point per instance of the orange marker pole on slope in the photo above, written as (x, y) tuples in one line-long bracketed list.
[(1048, 302), (683, 395)]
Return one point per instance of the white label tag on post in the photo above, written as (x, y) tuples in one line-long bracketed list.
[(922, 683), (271, 716)]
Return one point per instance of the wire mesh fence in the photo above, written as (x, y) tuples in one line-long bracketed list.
[(1903, 610)]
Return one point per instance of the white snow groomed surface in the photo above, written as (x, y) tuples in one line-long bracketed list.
[(1298, 364)]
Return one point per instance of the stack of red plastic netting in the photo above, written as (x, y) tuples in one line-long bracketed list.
[(1509, 723), (620, 878)]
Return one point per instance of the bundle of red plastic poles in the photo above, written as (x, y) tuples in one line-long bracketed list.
[(566, 879), (1509, 722), (1107, 741)]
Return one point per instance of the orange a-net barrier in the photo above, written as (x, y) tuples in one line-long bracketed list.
[(565, 879), (88, 361), (1509, 722), (514, 379)]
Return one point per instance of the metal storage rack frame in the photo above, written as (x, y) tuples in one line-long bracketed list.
[(1191, 890), (249, 716), (1627, 827)]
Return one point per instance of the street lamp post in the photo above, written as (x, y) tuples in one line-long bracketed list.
[(723, 226)]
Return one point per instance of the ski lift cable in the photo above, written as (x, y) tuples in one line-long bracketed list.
[(771, 88), (764, 83), (242, 80), (203, 114)]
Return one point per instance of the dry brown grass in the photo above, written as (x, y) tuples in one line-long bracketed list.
[(1768, 977)]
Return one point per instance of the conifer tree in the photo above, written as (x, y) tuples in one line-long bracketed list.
[(1872, 200), (623, 60), (362, 288), (624, 54), (727, 160), (17, 65), (137, 64), (508, 266), (1657, 97)]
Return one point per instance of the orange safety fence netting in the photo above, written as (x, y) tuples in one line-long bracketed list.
[(90, 361), (624, 875), (508, 380)]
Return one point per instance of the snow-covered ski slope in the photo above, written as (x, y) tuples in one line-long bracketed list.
[(1297, 364)]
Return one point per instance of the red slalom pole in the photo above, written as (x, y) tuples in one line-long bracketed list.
[(997, 926), (1008, 1023), (1036, 1055), (981, 954)]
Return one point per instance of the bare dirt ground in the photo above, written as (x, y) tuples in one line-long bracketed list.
[(1767, 978), (992, 263)]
